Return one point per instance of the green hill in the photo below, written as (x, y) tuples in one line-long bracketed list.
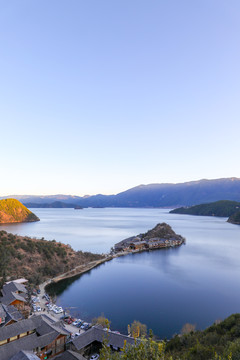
[(223, 208), (13, 211), (235, 218), (222, 339)]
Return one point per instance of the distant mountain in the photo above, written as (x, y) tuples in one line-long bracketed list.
[(224, 208), (153, 195), (47, 199), (12, 211), (55, 205)]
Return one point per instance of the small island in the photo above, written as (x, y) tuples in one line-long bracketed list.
[(13, 211), (161, 236), (222, 208)]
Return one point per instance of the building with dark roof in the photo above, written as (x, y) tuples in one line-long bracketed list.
[(38, 334), (14, 287), (8, 315), (14, 293), (3, 315), (70, 355), (97, 334), (25, 355)]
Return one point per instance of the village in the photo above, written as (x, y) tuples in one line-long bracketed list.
[(30, 331), (32, 327), (161, 236)]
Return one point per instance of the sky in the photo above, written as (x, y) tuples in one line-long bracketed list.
[(99, 96)]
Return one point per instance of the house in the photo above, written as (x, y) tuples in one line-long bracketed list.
[(9, 315), (70, 355), (138, 245), (15, 287), (15, 294), (156, 243), (94, 338), (15, 299), (39, 334), (24, 355)]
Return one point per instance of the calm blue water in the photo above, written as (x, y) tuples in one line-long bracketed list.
[(196, 283)]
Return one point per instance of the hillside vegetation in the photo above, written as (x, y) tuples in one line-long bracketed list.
[(222, 338), (235, 218), (224, 208), (13, 211), (37, 260), (218, 342)]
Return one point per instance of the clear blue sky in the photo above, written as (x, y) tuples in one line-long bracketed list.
[(98, 96)]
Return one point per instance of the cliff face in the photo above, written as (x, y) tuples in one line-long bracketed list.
[(12, 211)]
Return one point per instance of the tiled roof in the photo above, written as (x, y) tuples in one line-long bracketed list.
[(38, 323), (28, 343), (2, 312), (46, 339), (12, 348), (47, 326), (17, 329), (12, 313), (13, 287), (70, 355), (10, 297), (24, 355), (98, 334), (46, 332)]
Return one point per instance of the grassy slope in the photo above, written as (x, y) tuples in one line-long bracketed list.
[(12, 210), (224, 208), (37, 260)]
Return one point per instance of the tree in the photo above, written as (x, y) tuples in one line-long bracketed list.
[(188, 328), (138, 329), (101, 320)]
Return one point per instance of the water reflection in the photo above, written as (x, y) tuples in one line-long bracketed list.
[(196, 283)]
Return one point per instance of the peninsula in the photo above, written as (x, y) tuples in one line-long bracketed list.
[(161, 236), (235, 218), (56, 261), (13, 211), (222, 208)]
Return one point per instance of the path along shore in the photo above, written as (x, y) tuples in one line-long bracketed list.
[(81, 269)]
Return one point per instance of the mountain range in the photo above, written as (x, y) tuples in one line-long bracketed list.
[(152, 195)]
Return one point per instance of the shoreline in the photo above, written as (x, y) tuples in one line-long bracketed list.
[(81, 269)]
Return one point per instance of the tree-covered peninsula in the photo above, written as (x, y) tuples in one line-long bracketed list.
[(13, 211), (222, 208), (235, 218)]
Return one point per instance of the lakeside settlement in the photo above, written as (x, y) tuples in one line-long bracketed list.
[(26, 335), (160, 237)]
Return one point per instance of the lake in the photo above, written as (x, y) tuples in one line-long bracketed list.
[(196, 283)]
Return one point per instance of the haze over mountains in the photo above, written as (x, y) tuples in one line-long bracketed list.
[(152, 195)]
